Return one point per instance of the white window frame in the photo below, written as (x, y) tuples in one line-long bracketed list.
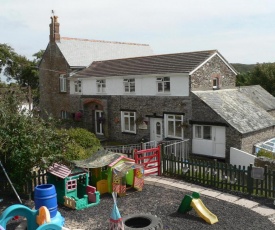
[(78, 86), (101, 86), (128, 122), (62, 83), (176, 121), (129, 85), (163, 85), (64, 114), (200, 132)]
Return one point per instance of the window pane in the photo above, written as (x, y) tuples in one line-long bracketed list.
[(197, 131), (132, 124), (170, 128), (178, 129), (127, 123), (160, 88), (158, 130), (167, 86), (207, 132)]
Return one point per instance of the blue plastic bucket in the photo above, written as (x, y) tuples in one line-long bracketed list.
[(45, 195)]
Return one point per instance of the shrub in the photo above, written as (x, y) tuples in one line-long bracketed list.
[(265, 153)]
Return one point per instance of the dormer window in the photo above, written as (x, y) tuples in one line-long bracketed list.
[(215, 83)]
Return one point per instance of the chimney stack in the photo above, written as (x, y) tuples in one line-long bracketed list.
[(54, 30)]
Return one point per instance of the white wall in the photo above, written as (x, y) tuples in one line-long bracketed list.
[(238, 157), (145, 85)]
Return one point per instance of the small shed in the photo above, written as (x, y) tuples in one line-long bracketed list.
[(113, 172), (72, 186)]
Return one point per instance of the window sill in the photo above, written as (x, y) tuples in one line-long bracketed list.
[(130, 133)]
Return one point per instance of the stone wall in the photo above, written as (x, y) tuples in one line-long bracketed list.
[(250, 139), (215, 68), (51, 100), (145, 106)]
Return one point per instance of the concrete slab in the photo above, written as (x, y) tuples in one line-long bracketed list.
[(264, 211), (228, 197), (211, 193), (246, 203)]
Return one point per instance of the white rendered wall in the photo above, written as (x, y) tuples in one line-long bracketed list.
[(144, 85), (238, 157)]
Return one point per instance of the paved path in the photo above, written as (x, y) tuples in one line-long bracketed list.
[(254, 206)]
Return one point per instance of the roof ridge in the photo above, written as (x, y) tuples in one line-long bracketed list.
[(103, 41)]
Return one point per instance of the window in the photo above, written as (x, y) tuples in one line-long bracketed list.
[(64, 114), (203, 132), (129, 85), (215, 83), (128, 123), (101, 86), (173, 125), (163, 84), (77, 86), (71, 185), (62, 83)]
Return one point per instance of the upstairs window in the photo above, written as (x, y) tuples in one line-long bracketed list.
[(101, 86), (129, 85), (77, 86), (62, 84), (215, 83), (163, 84), (128, 123)]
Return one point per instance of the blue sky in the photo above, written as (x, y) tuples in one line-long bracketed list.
[(243, 31)]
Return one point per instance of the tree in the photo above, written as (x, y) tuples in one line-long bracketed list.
[(262, 74), (26, 139)]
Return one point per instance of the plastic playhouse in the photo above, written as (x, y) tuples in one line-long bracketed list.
[(195, 202), (72, 187), (113, 172)]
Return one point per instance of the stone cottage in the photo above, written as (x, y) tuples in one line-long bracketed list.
[(164, 97)]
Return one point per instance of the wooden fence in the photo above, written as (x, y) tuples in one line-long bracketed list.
[(212, 174), (221, 176)]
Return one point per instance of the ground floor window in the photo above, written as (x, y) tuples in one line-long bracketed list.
[(128, 123), (203, 132), (64, 114), (173, 125)]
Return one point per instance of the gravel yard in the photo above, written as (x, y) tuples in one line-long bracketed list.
[(162, 202)]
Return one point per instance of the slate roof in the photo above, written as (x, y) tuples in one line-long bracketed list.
[(260, 96), (82, 52), (157, 64), (236, 108)]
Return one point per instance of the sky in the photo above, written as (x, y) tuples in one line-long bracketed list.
[(243, 31)]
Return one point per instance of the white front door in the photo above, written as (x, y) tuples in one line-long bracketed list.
[(98, 122), (156, 130), (219, 141)]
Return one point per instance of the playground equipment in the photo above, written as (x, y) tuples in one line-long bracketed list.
[(195, 202), (36, 219), (72, 187), (113, 172)]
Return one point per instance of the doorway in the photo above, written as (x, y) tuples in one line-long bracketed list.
[(156, 129), (98, 122)]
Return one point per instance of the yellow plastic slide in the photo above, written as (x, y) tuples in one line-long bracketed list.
[(203, 212)]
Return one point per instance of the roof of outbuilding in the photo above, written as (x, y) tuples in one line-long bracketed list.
[(260, 96), (156, 64), (235, 107), (82, 52)]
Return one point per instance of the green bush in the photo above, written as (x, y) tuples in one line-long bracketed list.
[(83, 144), (265, 153)]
